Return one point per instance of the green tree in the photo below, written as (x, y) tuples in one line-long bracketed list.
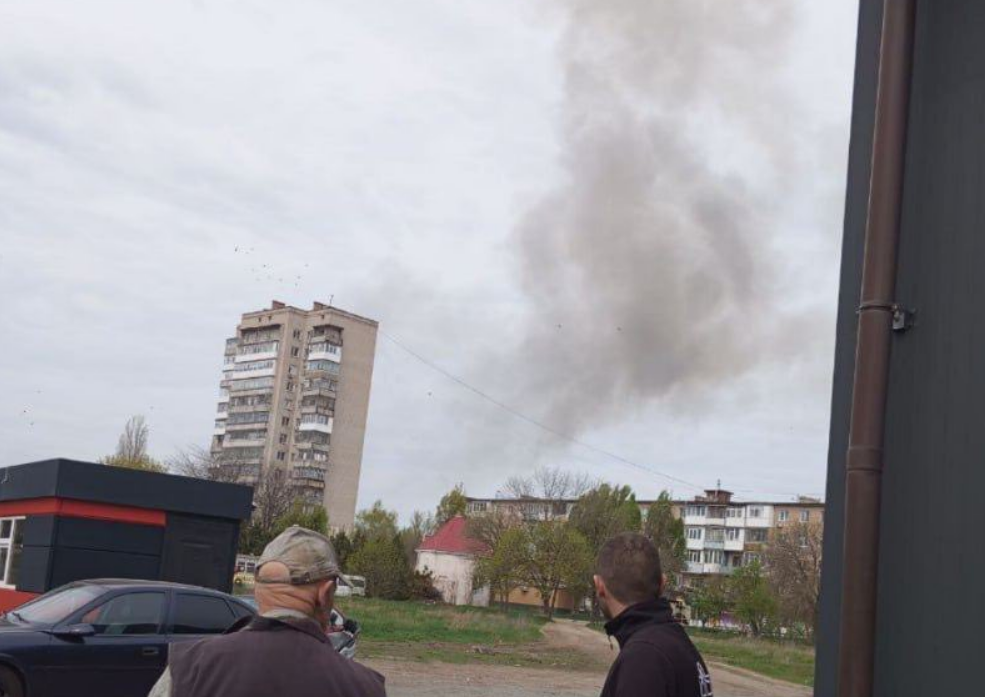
[(666, 531), (381, 560), (502, 569), (452, 504), (343, 545), (557, 555), (376, 522), (603, 512), (131, 448), (793, 558), (710, 599), (304, 515), (420, 525), (755, 604)]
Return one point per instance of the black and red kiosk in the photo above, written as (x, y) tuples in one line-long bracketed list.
[(64, 520)]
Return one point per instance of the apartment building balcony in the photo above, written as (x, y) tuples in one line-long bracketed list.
[(736, 545), (759, 517), (322, 392), (322, 409), (233, 429), (219, 431), (247, 408), (325, 351), (309, 476), (233, 442), (244, 371), (695, 544), (714, 544), (697, 567), (259, 337), (315, 422), (265, 356)]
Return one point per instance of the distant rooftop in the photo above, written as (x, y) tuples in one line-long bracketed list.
[(277, 305)]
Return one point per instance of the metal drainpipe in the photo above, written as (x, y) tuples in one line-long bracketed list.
[(876, 315)]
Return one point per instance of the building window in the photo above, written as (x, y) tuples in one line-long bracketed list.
[(11, 545), (694, 555), (714, 556), (734, 512), (281, 455), (716, 535), (694, 533), (756, 535), (297, 334), (283, 437), (295, 351), (733, 534), (752, 558), (755, 512), (805, 516), (315, 419), (698, 511), (784, 516), (285, 421)]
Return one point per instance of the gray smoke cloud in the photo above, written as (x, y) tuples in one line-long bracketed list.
[(650, 268)]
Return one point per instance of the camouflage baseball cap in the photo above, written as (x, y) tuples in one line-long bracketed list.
[(308, 555)]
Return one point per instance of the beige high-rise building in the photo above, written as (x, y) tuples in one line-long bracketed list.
[(293, 400)]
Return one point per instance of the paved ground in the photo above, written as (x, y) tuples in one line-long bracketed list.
[(406, 679)]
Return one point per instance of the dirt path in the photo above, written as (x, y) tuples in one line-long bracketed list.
[(412, 679)]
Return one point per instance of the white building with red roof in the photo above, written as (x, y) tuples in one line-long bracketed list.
[(450, 554)]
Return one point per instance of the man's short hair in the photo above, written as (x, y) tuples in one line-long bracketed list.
[(630, 566)]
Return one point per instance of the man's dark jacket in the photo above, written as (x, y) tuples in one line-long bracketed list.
[(266, 657), (656, 657)]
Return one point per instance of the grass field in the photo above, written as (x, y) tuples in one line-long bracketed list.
[(423, 632), (419, 631), (788, 661)]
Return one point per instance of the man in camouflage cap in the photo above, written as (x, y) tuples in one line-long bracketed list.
[(284, 650)]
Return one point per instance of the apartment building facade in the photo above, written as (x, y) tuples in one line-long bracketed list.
[(294, 400), (722, 534)]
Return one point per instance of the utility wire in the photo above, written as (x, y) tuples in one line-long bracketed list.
[(549, 429), (523, 417)]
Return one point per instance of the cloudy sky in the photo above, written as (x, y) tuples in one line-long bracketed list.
[(619, 219)]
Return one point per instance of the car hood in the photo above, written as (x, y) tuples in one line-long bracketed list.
[(8, 628)]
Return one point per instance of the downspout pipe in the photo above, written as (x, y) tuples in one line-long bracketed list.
[(876, 313)]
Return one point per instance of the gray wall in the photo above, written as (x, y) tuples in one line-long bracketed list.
[(931, 561)]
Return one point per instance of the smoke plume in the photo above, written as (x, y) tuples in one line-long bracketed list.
[(649, 267)]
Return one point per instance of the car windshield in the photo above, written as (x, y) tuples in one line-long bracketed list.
[(54, 607)]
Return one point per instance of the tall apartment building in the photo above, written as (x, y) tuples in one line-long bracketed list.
[(294, 398), (722, 534)]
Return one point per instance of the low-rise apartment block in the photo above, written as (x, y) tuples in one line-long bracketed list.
[(722, 534)]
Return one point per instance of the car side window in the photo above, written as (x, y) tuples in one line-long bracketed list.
[(200, 614), (241, 611), (127, 614)]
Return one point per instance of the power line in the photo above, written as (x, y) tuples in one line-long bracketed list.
[(523, 417), (555, 432)]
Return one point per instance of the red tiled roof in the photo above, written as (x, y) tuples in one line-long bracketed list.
[(452, 538)]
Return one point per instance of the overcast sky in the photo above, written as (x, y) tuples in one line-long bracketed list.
[(622, 221)]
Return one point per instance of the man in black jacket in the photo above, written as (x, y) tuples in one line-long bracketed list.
[(656, 657)]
